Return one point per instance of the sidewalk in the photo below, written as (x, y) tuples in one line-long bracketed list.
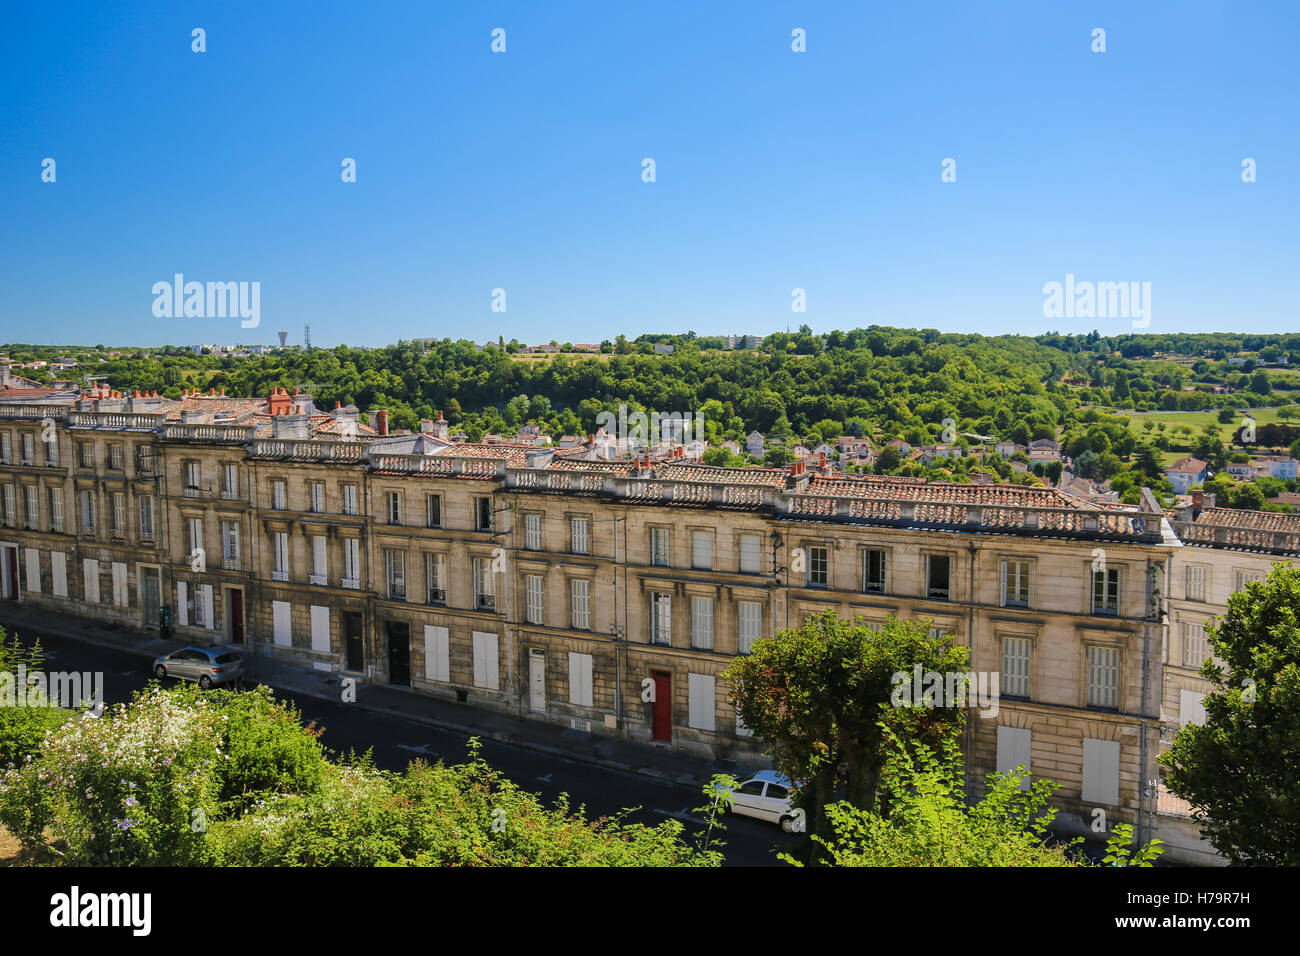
[(597, 749)]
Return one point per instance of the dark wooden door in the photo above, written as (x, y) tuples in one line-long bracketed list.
[(352, 637), (662, 724), (236, 616), (399, 653)]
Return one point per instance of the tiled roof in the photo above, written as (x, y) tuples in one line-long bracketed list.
[(216, 405), (1254, 520), (717, 474), (1192, 465)]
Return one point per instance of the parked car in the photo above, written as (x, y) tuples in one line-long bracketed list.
[(207, 665), (766, 796)]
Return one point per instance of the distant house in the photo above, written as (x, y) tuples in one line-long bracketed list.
[(1044, 455), (1186, 472), (1045, 444), (586, 347), (731, 446), (1008, 448), (902, 447), (1276, 466), (662, 349), (828, 450), (754, 444), (852, 447), (801, 451)]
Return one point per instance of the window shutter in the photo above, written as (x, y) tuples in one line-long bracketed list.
[(437, 653), (580, 679), (1191, 707), (701, 699), (486, 670), (281, 630), (120, 592), (182, 604), (1014, 745), (320, 628), (33, 570), (59, 573), (749, 553), (209, 619), (1100, 771)]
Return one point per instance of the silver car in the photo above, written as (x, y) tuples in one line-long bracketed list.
[(207, 665)]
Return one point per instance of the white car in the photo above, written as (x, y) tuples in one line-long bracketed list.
[(766, 796)]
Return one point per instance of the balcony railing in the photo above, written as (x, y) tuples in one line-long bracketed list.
[(214, 434), (309, 449), (192, 492), (228, 495), (116, 421), (279, 575), (230, 564), (315, 578), (352, 584)]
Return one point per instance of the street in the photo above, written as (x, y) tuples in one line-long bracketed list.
[(395, 742)]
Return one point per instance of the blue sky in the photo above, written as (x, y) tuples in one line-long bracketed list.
[(522, 170)]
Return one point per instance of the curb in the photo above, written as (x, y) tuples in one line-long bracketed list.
[(681, 780)]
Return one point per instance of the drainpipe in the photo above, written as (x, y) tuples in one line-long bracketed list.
[(970, 637), (618, 630), (1142, 727)]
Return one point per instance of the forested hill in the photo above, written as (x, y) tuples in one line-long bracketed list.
[(878, 382)]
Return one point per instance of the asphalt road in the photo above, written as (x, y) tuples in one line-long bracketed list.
[(395, 742)]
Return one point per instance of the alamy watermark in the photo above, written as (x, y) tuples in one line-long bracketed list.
[(978, 690), (213, 300), (1098, 300), (55, 689)]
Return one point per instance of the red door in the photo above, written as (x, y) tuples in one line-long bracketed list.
[(662, 725), (236, 616)]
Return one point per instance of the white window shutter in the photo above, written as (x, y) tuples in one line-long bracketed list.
[(1014, 745), (120, 592), (580, 679), (437, 653), (281, 630), (182, 599), (701, 699), (749, 553), (486, 669), (1100, 771), (701, 550), (33, 570), (209, 618), (320, 628), (1191, 707)]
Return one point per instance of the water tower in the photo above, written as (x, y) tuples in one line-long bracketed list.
[(284, 337)]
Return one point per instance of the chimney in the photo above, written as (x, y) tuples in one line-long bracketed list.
[(1198, 502), (294, 427), (381, 421)]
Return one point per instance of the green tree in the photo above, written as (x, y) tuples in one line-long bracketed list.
[(818, 695), (1238, 769)]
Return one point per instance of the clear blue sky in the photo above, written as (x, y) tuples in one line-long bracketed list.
[(522, 170)]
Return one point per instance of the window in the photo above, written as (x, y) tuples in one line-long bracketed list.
[(818, 567), (9, 506), (395, 573), (146, 516), (6, 447), (194, 536), (280, 556), (580, 602), (114, 456), (349, 499), (750, 553), (1191, 707), (533, 610), (33, 570), (701, 698), (750, 618), (1196, 645), (873, 572), (88, 512), (1015, 583), (1196, 575), (230, 481), (435, 570), (29, 449), (277, 495), (32, 496), (659, 547), (579, 535), (119, 513), (533, 532), (437, 653), (56, 509), (483, 514), (1242, 578), (1015, 666), (1105, 591), (191, 478), (938, 569), (1103, 677), (394, 507), (702, 550), (661, 617), (87, 452), (58, 574), (230, 545), (580, 679), (702, 623), (351, 563), (318, 496), (52, 449), (484, 586), (433, 511), (319, 563), (144, 459)]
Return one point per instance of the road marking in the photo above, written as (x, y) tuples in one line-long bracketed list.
[(682, 814), (422, 749), (547, 778)]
